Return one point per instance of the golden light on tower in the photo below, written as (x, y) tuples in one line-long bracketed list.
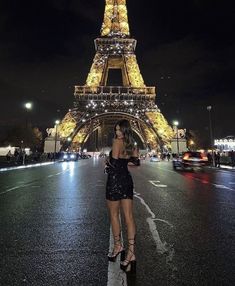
[(115, 19), (98, 102)]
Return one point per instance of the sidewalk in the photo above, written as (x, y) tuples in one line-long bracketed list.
[(4, 166), (224, 167)]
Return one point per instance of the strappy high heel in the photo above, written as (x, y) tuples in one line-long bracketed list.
[(113, 255), (129, 265)]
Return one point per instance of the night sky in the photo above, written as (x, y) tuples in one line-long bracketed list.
[(185, 48)]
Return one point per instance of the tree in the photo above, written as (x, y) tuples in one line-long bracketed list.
[(194, 141), (20, 136)]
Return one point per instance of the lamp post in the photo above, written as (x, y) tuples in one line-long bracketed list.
[(191, 143), (56, 126), (176, 123), (209, 107), (28, 106)]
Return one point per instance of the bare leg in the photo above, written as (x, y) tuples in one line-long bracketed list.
[(127, 207), (114, 209)]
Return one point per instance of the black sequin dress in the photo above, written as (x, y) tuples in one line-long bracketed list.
[(119, 184)]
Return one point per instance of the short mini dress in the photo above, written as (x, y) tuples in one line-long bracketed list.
[(119, 184)]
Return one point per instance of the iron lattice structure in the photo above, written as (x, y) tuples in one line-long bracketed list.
[(96, 103)]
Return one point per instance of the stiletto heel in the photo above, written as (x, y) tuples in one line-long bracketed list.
[(113, 255), (129, 265)]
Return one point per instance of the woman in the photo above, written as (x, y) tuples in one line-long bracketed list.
[(119, 193)]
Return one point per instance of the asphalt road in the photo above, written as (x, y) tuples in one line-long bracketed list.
[(55, 228)]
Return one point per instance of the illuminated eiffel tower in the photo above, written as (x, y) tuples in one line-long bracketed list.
[(98, 105)]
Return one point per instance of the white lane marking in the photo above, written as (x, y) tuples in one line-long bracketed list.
[(116, 277), (215, 185), (15, 188), (202, 181), (156, 184), (57, 174), (223, 187), (165, 221), (227, 204), (161, 246)]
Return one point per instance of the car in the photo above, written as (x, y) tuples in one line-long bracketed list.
[(190, 160), (154, 158), (69, 157)]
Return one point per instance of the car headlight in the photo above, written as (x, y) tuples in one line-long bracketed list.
[(72, 156), (65, 157)]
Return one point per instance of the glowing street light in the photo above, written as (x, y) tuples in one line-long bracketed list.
[(191, 143), (176, 123), (209, 108), (28, 105), (57, 122)]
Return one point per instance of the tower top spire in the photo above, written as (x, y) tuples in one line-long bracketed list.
[(115, 22)]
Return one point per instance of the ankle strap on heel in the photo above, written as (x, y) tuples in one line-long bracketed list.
[(117, 240), (131, 241)]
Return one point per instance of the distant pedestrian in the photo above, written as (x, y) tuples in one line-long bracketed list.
[(8, 156), (232, 156), (168, 156), (16, 155), (217, 159), (209, 157)]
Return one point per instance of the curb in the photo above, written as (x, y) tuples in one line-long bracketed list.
[(25, 166), (223, 167)]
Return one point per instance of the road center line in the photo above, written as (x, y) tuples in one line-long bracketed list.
[(161, 246), (202, 181), (222, 187), (215, 185)]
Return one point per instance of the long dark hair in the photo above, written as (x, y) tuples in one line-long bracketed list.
[(128, 139)]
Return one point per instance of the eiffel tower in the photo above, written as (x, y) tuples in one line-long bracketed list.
[(98, 105)]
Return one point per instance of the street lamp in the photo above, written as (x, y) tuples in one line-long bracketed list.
[(191, 143), (28, 106), (56, 126), (175, 124), (209, 107)]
